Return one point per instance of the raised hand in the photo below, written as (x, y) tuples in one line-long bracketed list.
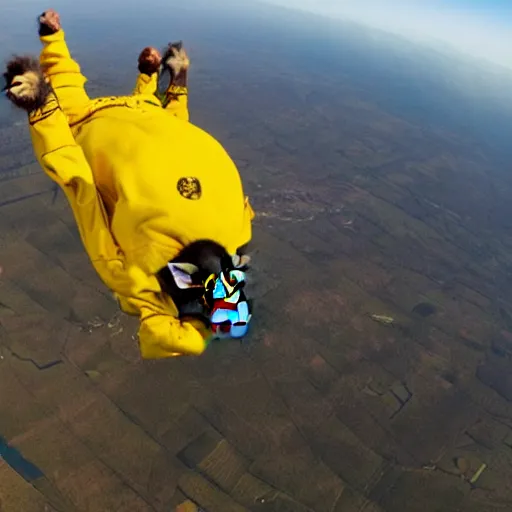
[(149, 60), (49, 23), (178, 62)]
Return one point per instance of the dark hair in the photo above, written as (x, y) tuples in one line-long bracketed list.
[(208, 256)]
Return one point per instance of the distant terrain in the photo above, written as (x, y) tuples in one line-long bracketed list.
[(377, 375)]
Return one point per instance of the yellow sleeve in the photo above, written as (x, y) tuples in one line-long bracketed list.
[(189, 337), (63, 71), (176, 102), (146, 85), (64, 162), (161, 333)]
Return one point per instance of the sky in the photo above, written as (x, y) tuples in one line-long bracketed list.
[(481, 28)]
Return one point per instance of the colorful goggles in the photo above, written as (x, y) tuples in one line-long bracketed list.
[(230, 310)]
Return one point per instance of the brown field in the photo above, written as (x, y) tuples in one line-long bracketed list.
[(323, 408)]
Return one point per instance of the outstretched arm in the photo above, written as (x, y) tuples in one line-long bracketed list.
[(59, 67), (64, 162)]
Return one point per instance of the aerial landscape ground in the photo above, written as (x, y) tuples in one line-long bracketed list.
[(377, 376)]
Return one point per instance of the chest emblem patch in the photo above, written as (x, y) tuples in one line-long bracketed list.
[(190, 188)]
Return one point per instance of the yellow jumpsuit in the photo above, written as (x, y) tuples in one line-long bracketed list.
[(143, 183)]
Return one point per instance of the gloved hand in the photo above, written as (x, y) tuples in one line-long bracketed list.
[(26, 85), (49, 23), (176, 60), (150, 60)]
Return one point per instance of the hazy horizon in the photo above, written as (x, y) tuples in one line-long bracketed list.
[(477, 28), (377, 372)]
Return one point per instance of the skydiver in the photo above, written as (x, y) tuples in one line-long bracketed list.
[(158, 202)]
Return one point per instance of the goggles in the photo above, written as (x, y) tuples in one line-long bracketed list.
[(230, 311), (224, 299)]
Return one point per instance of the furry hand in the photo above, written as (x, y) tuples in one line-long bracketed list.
[(149, 61), (49, 23), (177, 61), (26, 86)]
